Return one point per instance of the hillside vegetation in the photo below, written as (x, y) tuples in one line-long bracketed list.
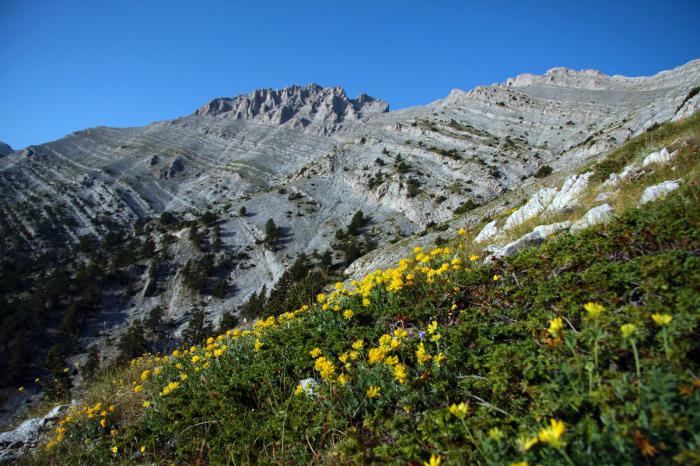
[(582, 351)]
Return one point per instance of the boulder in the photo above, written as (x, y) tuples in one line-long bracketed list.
[(600, 214), (658, 191), (488, 232), (658, 157), (536, 205), (536, 236), (572, 189)]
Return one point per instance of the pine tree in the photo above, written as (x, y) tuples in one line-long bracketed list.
[(58, 385), (92, 364), (197, 328), (228, 321), (132, 343)]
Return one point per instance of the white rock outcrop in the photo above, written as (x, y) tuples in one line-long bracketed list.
[(658, 157), (570, 193), (658, 191), (536, 236), (16, 442), (600, 214), (535, 206), (488, 232)]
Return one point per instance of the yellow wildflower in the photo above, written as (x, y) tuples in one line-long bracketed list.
[(496, 277), (142, 449), (144, 375), (432, 327), (421, 354), (321, 298), (183, 376), (593, 309), (461, 232), (435, 460), (519, 463), (525, 443), (384, 340), (628, 330), (354, 355), (459, 410), (343, 379), (400, 373), (373, 392), (299, 390), (555, 326), (325, 367), (552, 433), (138, 388), (316, 352), (400, 333), (169, 388), (661, 319), (348, 313), (439, 359), (496, 434), (473, 257), (391, 360), (103, 423), (258, 345), (358, 345), (195, 358), (115, 449), (146, 404)]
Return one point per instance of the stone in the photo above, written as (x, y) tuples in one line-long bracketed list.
[(536, 236), (658, 191), (536, 205), (486, 233), (658, 157), (309, 385), (568, 196), (604, 196), (600, 214)]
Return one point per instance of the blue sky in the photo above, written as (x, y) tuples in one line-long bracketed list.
[(68, 65)]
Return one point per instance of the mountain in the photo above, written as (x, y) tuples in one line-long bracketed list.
[(176, 215), (5, 149)]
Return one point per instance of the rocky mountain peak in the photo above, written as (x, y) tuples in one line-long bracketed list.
[(5, 149), (296, 106)]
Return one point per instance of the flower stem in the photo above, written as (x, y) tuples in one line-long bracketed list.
[(471, 437), (665, 335), (636, 364)]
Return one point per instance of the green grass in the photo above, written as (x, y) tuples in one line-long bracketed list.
[(500, 359)]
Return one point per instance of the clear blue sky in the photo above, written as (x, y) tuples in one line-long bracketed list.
[(68, 65)]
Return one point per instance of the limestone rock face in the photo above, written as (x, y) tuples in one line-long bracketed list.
[(16, 442), (600, 214), (295, 106), (660, 190)]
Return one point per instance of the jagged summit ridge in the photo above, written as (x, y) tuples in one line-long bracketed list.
[(297, 106), (591, 79)]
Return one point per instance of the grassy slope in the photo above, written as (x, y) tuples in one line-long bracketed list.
[(238, 405)]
